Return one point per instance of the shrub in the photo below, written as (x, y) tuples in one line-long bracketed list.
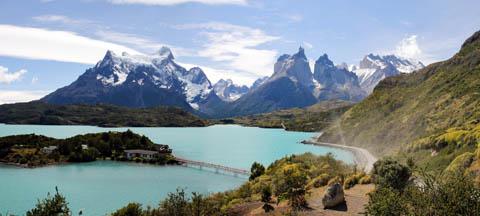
[(256, 170), (365, 180), (132, 209), (350, 182), (385, 201), (56, 205), (334, 180), (319, 181), (391, 173)]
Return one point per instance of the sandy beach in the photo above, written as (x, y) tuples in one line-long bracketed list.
[(362, 157)]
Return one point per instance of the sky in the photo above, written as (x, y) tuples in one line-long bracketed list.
[(47, 44)]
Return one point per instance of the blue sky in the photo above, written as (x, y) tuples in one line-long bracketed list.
[(46, 44)]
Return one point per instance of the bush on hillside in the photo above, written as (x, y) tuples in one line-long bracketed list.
[(390, 173)]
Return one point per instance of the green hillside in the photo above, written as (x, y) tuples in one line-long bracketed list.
[(404, 108), (100, 115)]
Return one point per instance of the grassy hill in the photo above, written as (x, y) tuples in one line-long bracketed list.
[(407, 107), (312, 118), (99, 115)]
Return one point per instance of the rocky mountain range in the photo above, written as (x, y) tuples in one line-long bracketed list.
[(139, 81), (228, 91), (293, 84), (154, 80), (374, 68)]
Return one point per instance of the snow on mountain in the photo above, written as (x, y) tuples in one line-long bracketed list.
[(295, 67), (228, 91), (335, 82), (374, 68), (260, 81), (156, 80)]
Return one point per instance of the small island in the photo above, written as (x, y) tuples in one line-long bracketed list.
[(31, 150)]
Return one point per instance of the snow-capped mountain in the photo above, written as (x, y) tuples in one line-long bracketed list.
[(295, 67), (374, 68), (335, 82), (138, 81), (258, 82), (228, 91), (293, 84)]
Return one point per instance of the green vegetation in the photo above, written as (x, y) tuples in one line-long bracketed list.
[(453, 149), (391, 174), (313, 118), (256, 170), (99, 115), (30, 150), (285, 179), (449, 193), (56, 205), (267, 198), (407, 107)]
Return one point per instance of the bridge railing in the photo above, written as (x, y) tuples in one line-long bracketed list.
[(217, 167)]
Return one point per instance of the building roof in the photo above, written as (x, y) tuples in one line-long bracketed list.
[(50, 148), (140, 151)]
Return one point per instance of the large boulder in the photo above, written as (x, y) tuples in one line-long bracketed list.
[(333, 196)]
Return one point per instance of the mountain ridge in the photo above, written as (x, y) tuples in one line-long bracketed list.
[(406, 107)]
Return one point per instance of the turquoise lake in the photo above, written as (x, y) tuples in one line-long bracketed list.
[(100, 187)]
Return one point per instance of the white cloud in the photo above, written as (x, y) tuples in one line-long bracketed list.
[(9, 77), (307, 45), (104, 33), (8, 96), (408, 48), (44, 44), (139, 42), (60, 19), (175, 2), (236, 47)]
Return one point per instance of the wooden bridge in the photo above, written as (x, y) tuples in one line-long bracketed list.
[(217, 167)]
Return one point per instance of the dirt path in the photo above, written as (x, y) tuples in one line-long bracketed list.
[(355, 200), (362, 157)]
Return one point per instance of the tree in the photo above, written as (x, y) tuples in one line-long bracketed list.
[(175, 204), (391, 173), (197, 204), (267, 198), (132, 209), (294, 187), (256, 170), (51, 206)]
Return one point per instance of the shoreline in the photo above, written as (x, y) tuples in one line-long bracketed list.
[(361, 156), (26, 166)]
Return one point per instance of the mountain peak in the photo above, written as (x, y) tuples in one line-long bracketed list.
[(300, 53), (109, 58), (228, 91), (324, 60), (165, 52)]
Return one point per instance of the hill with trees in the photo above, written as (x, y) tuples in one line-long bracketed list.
[(99, 115), (29, 150)]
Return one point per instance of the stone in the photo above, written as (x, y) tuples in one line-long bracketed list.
[(333, 196)]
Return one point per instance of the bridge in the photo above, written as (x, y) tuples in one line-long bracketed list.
[(217, 167)]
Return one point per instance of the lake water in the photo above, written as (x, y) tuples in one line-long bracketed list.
[(100, 187)]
